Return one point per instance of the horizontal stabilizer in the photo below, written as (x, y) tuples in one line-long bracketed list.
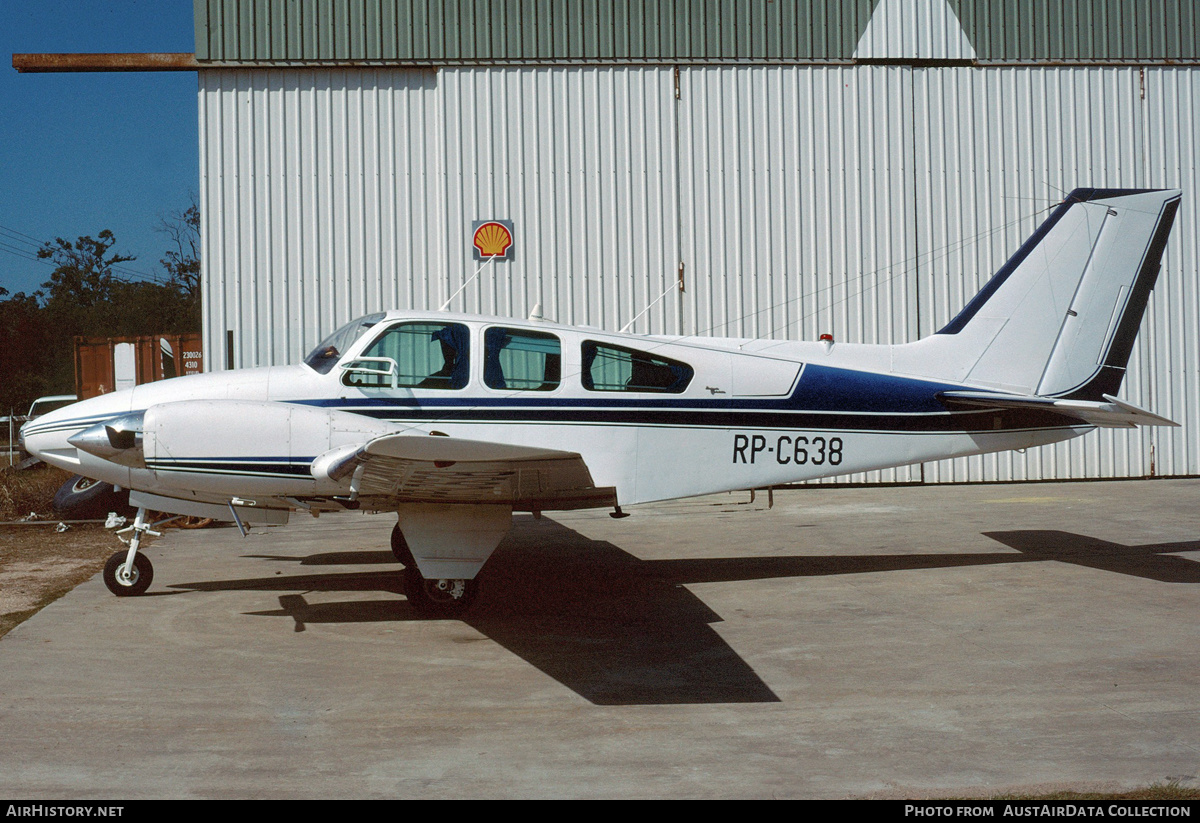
[(1111, 413)]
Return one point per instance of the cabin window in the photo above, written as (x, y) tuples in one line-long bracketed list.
[(614, 368), (414, 356), (522, 360)]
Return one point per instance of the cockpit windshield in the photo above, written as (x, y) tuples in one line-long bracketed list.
[(331, 349)]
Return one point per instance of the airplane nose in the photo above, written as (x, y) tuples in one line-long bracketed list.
[(118, 440)]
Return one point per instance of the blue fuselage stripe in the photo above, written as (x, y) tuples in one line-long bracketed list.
[(946, 422), (824, 398)]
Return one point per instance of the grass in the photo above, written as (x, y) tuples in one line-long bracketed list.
[(32, 490)]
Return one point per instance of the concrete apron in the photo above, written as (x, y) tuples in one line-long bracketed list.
[(895, 642)]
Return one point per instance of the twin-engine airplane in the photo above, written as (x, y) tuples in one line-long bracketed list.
[(456, 421)]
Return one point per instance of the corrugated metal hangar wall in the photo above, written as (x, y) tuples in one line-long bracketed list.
[(867, 191)]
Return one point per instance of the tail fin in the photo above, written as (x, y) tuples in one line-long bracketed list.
[(1060, 317)]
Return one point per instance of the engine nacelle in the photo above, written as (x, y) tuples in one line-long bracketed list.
[(230, 447)]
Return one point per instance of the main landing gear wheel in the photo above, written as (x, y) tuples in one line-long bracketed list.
[(132, 584), (431, 597), (438, 598)]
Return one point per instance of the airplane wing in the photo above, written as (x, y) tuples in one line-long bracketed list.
[(420, 468), (1112, 413)]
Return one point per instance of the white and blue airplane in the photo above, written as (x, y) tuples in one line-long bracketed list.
[(456, 421)]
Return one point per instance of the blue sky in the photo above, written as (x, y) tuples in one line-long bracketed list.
[(84, 152)]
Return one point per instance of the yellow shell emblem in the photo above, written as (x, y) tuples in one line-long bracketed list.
[(492, 240)]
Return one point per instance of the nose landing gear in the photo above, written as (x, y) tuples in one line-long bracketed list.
[(128, 573)]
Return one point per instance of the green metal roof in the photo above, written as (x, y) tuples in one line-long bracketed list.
[(456, 32), (1082, 30)]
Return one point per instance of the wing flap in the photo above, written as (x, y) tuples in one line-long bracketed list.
[(410, 468)]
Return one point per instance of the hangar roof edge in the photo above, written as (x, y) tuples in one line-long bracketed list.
[(514, 32)]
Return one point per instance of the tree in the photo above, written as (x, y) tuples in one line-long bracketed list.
[(183, 262), (25, 352), (89, 295), (83, 270), (77, 299)]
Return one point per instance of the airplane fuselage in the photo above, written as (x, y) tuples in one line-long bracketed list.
[(703, 415)]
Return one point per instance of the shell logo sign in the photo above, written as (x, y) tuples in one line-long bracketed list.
[(492, 239)]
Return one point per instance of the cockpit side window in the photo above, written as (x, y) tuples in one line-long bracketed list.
[(616, 368), (413, 355), (521, 359), (330, 350)]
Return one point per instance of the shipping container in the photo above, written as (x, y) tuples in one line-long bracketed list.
[(105, 364)]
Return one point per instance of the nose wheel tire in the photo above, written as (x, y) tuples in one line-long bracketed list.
[(132, 584)]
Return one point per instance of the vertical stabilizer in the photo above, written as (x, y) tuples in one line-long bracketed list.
[(1060, 317)]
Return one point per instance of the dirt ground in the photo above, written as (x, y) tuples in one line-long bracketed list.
[(39, 565)]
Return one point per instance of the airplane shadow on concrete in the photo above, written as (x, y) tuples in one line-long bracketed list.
[(618, 630)]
